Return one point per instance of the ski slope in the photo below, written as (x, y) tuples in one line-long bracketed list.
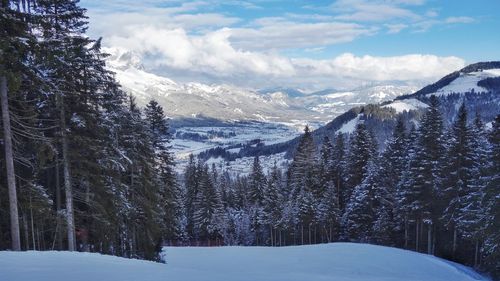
[(337, 261)]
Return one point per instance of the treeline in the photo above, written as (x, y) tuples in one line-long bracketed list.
[(433, 189), (82, 167)]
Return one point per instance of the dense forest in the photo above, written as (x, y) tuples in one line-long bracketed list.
[(433, 189), (84, 168), (92, 171)]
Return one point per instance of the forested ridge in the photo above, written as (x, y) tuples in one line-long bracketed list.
[(84, 168)]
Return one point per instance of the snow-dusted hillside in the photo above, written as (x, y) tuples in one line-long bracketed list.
[(406, 105), (335, 103), (337, 261), (467, 82)]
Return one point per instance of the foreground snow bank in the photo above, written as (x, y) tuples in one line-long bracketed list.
[(337, 261)]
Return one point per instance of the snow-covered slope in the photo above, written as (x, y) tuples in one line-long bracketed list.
[(337, 261), (462, 81), (406, 105), (467, 82)]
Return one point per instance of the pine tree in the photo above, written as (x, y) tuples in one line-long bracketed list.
[(457, 172), (257, 183), (302, 182), (328, 212), (170, 201), (359, 217), (361, 150), (391, 167), (272, 203), (471, 210), (208, 208), (422, 175), (339, 169), (491, 203), (404, 194), (326, 166), (191, 183)]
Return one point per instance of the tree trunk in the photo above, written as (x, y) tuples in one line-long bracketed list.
[(309, 230), (406, 232), (32, 226), (70, 220), (9, 163), (416, 235), (271, 236), (476, 253), (429, 239), (302, 234), (454, 241), (58, 209), (26, 234)]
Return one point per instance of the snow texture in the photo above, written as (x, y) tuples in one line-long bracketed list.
[(406, 105), (332, 262), (349, 127)]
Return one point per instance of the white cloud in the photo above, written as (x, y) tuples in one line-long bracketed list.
[(425, 25), (279, 33), (395, 28), (212, 55), (371, 68), (200, 41), (459, 20), (376, 11)]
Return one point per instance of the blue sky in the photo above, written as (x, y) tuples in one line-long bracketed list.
[(309, 44)]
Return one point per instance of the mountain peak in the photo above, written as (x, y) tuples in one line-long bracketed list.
[(122, 59)]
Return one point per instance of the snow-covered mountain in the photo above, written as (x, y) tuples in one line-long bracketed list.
[(230, 103), (197, 100)]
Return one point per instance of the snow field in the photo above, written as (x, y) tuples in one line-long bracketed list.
[(332, 262)]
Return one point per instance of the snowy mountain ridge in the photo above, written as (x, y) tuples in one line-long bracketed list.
[(231, 103), (478, 85)]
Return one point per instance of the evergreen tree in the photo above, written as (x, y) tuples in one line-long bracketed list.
[(328, 212), (170, 200), (361, 150), (404, 194), (457, 172), (491, 203), (272, 203), (302, 182), (191, 183), (391, 167), (257, 183), (359, 217), (208, 208), (339, 169), (423, 173)]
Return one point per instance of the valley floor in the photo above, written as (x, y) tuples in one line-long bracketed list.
[(336, 261)]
